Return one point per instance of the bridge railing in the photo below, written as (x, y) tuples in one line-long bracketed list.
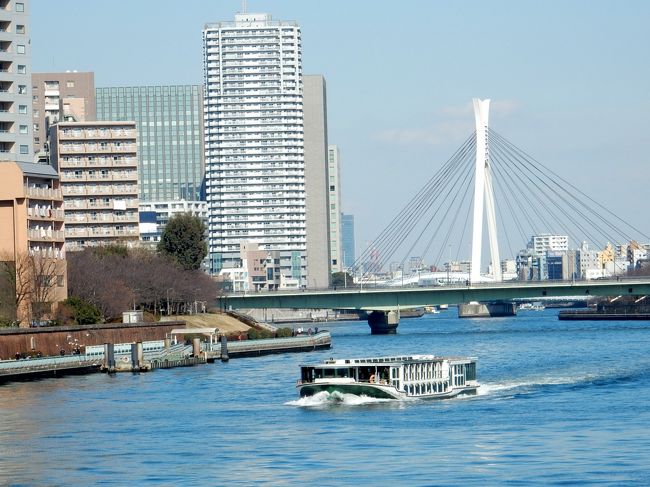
[(467, 285)]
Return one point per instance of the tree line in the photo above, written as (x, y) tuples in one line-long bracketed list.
[(105, 281), (115, 279)]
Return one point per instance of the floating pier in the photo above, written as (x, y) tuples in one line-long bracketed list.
[(115, 358)]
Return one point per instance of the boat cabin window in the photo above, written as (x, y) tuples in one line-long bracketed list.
[(330, 373), (470, 371), (307, 374)]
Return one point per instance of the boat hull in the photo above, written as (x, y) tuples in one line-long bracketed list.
[(377, 391)]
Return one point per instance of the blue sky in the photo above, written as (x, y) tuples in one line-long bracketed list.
[(569, 80)]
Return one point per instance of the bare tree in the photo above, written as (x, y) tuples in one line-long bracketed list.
[(44, 278), (137, 278), (32, 279)]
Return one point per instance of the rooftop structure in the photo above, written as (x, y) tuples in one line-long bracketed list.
[(68, 96)]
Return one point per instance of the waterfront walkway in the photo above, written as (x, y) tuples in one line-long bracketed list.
[(176, 356)]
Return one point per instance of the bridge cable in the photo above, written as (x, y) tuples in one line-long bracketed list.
[(562, 210), (537, 165), (400, 238), (423, 195), (541, 201), (412, 212)]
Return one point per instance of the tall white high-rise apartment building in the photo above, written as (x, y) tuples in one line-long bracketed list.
[(254, 140)]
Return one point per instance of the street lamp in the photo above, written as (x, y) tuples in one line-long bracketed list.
[(449, 266)]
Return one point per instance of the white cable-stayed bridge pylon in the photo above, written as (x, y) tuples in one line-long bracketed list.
[(483, 193), (489, 179)]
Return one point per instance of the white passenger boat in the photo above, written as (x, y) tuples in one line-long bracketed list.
[(415, 376)]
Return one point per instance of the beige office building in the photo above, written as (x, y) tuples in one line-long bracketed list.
[(32, 237), (68, 96), (98, 166)]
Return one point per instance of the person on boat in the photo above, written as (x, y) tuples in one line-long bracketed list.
[(372, 378)]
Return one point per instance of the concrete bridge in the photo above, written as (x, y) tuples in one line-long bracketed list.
[(384, 301)]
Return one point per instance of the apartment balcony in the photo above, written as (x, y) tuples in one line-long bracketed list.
[(67, 177), (83, 162), (73, 218), (110, 177), (96, 134), (45, 235), (128, 232), (78, 204), (126, 161), (73, 232), (45, 214), (43, 193), (96, 148), (100, 204), (133, 218), (50, 253), (64, 163), (68, 134), (125, 190)]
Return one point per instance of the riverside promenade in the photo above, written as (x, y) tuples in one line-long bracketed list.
[(156, 357)]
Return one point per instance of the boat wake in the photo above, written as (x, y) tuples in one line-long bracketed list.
[(511, 389), (326, 399)]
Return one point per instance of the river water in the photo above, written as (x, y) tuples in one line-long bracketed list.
[(561, 402)]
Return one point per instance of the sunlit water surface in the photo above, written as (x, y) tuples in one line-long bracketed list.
[(560, 403)]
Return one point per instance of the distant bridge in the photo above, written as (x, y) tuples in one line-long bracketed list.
[(378, 299)]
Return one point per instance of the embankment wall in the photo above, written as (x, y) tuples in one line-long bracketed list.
[(51, 340)]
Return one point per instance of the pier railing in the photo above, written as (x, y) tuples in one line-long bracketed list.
[(45, 363)]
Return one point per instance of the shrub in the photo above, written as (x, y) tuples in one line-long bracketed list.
[(255, 334), (284, 332), (83, 312)]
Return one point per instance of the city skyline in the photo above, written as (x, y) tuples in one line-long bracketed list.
[(566, 82)]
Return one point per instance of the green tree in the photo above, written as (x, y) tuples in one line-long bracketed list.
[(183, 239), (83, 312), (342, 279)]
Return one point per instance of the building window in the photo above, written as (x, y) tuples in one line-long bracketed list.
[(20, 7), (22, 89), (22, 109), (22, 69), (24, 149), (20, 29), (23, 129), (70, 84), (20, 48)]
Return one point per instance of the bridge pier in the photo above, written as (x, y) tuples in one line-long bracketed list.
[(383, 322), (486, 310)]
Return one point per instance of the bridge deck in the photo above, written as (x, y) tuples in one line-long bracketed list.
[(394, 298)]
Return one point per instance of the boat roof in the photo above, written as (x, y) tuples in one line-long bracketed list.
[(387, 360)]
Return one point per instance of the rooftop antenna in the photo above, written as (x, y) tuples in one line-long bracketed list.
[(243, 6)]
